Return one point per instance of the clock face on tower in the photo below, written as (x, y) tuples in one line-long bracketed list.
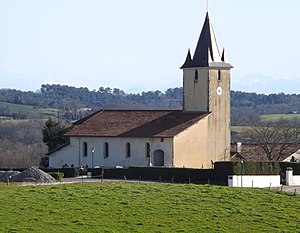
[(219, 90)]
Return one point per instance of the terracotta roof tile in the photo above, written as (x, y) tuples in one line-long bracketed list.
[(254, 152), (135, 123)]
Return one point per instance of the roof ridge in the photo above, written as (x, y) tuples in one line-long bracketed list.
[(141, 110)]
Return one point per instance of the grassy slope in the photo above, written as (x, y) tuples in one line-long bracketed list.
[(278, 116), (272, 117), (31, 110), (238, 129), (119, 207)]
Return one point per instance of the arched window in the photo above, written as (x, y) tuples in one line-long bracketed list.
[(219, 75), (105, 150), (128, 150), (85, 149), (196, 75), (147, 150)]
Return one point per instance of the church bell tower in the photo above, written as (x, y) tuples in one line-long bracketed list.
[(206, 88)]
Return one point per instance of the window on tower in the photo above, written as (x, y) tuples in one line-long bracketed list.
[(219, 75), (196, 75)]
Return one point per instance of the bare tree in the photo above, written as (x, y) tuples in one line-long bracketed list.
[(21, 143), (273, 136)]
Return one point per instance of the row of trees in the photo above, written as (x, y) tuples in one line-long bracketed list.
[(67, 98), (70, 99)]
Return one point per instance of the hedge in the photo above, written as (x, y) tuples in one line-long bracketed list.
[(160, 174), (294, 166), (247, 168), (57, 175), (67, 171), (218, 175)]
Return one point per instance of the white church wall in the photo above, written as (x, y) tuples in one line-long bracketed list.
[(66, 155), (74, 153)]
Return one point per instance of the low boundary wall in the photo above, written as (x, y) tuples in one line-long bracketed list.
[(254, 181), (255, 174)]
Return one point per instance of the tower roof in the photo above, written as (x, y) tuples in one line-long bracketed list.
[(207, 52)]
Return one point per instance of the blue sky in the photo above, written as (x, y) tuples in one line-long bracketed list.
[(139, 45)]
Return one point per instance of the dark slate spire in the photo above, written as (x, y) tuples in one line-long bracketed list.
[(188, 60), (207, 52), (224, 58), (206, 43)]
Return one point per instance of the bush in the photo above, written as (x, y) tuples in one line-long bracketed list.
[(68, 171), (57, 175), (246, 168), (96, 172), (164, 174), (295, 167)]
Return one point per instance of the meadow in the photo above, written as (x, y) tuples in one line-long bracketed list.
[(30, 111), (270, 117), (134, 207), (279, 116)]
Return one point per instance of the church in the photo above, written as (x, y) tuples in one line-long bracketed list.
[(194, 137)]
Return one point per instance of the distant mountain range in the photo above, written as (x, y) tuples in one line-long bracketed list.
[(264, 84)]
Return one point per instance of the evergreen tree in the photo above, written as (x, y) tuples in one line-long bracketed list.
[(54, 134)]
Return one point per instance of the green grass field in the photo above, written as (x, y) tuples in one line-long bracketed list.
[(30, 110), (128, 207), (278, 116), (238, 129), (272, 117)]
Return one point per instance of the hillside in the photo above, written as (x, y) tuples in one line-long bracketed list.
[(75, 103), (21, 111), (124, 207)]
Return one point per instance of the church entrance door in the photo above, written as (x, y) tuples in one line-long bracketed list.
[(158, 158)]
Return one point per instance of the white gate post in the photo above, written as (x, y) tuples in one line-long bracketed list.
[(289, 176)]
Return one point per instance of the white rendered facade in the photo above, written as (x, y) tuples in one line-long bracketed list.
[(74, 153)]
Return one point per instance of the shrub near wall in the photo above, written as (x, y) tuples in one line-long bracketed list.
[(222, 170), (96, 172), (67, 171), (218, 175), (257, 168), (57, 175), (294, 166), (178, 175), (246, 168)]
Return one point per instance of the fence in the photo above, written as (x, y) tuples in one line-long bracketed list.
[(218, 175), (161, 174)]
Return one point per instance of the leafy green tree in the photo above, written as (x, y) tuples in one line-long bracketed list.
[(54, 134)]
